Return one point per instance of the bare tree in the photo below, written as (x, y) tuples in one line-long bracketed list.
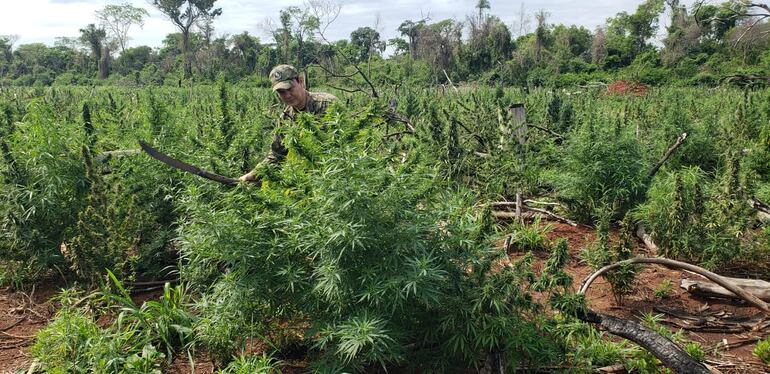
[(93, 37), (326, 12), (118, 19), (540, 33), (755, 15), (599, 47), (743, 13), (523, 22)]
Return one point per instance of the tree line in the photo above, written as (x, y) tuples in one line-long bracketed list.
[(703, 44)]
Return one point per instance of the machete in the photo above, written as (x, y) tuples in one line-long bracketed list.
[(160, 156)]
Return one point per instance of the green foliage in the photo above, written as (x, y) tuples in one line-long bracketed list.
[(663, 290), (530, 237), (601, 253), (75, 343), (252, 364), (387, 268), (762, 351), (695, 350), (698, 218), (674, 211), (603, 172), (366, 251)]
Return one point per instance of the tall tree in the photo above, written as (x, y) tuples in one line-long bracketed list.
[(411, 30), (541, 33), (184, 14), (632, 31), (93, 37), (366, 43), (683, 36), (245, 49), (118, 19), (481, 5), (489, 42), (599, 47), (302, 23)]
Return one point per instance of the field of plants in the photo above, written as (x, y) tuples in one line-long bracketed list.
[(387, 241)]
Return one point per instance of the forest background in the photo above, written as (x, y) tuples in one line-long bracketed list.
[(702, 44)]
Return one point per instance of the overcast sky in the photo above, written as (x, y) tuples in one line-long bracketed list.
[(44, 20)]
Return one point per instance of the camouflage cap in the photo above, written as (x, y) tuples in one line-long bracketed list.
[(281, 77)]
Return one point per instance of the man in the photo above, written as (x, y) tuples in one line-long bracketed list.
[(290, 87)]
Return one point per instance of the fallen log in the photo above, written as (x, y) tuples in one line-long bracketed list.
[(718, 279), (763, 210), (756, 287), (670, 354)]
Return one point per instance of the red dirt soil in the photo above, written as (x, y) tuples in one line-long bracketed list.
[(22, 314), (622, 87)]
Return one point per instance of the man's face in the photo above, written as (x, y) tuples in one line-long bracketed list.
[(294, 96)]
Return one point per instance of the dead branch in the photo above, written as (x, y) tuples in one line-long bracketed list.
[(450, 81), (528, 201), (668, 154), (718, 279), (392, 115), (756, 287), (25, 337), (758, 205), (670, 354), (512, 215), (647, 239), (555, 134), (4, 329), (735, 344), (536, 210), (613, 369), (345, 89), (21, 343), (552, 215)]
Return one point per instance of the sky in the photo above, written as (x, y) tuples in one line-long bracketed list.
[(45, 20)]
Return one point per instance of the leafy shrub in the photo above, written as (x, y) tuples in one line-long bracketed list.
[(531, 237), (601, 253), (373, 254), (74, 342), (692, 217), (673, 212), (695, 350), (252, 364), (663, 290), (603, 170)]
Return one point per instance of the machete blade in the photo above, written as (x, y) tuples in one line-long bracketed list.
[(160, 156)]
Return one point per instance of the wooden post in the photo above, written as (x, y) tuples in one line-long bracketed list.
[(519, 219), (519, 122), (513, 122)]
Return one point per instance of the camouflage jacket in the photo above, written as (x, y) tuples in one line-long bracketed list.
[(317, 102)]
